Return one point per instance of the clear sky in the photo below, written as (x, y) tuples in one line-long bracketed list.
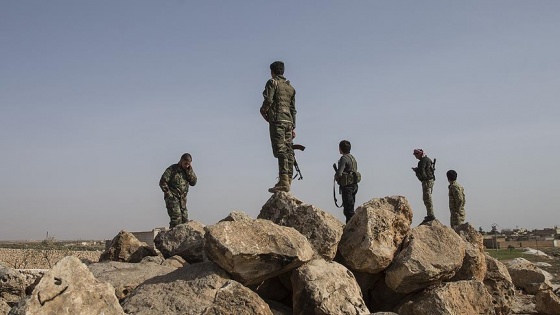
[(97, 98)]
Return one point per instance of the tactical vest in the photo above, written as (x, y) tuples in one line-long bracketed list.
[(351, 176)]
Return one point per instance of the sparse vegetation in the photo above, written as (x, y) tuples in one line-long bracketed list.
[(45, 254)]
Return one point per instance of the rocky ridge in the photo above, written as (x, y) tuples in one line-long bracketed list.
[(293, 259)]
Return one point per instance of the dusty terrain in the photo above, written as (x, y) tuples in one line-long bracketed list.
[(42, 258)]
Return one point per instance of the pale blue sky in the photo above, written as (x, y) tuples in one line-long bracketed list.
[(97, 98)]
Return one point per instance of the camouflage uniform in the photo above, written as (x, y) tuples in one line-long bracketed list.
[(456, 204), (280, 107), (425, 173), (347, 163), (175, 183)]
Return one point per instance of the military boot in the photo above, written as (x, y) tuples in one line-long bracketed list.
[(282, 185)]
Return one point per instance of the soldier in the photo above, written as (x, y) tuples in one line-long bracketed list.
[(279, 110), (344, 176), (456, 200), (425, 173), (175, 183)]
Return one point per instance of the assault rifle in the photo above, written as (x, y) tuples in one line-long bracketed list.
[(296, 166)]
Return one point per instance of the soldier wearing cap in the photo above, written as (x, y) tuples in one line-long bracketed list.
[(456, 200), (425, 174), (279, 110)]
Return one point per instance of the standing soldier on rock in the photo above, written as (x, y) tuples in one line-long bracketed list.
[(279, 110), (425, 173), (456, 200), (347, 178), (175, 183)]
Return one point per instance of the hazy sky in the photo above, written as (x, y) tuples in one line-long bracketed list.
[(97, 98)]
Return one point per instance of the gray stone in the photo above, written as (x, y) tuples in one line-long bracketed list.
[(253, 251), (125, 247), (185, 240), (70, 288), (474, 263), (12, 284), (125, 277), (498, 283), (236, 216), (372, 238), (202, 288), (430, 255), (461, 297), (547, 302), (322, 287), (322, 229), (527, 276)]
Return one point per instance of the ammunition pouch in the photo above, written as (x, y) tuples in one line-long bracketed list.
[(349, 178)]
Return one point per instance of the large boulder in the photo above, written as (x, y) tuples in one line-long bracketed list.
[(474, 263), (430, 254), (125, 277), (498, 283), (253, 251), (527, 276), (12, 284), (451, 298), (322, 287), (202, 288), (322, 229), (372, 238), (125, 247), (185, 240), (70, 288), (547, 302)]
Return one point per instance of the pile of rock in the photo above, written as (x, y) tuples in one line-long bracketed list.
[(293, 259)]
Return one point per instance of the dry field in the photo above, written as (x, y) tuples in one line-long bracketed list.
[(42, 258)]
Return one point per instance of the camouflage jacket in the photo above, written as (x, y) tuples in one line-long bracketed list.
[(279, 101), (175, 181), (456, 196), (425, 169)]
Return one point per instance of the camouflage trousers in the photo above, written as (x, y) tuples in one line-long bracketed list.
[(177, 210), (427, 187), (281, 140), (457, 216)]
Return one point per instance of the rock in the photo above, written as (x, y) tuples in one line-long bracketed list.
[(498, 283), (547, 302), (322, 229), (273, 290), (4, 307), (461, 297), (373, 236), (185, 240), (153, 259), (12, 284), (202, 288), (70, 288), (236, 216), (474, 263), (383, 298), (125, 277), (527, 276), (523, 304), (175, 262), (253, 251), (278, 308), (322, 287), (430, 254), (125, 247)]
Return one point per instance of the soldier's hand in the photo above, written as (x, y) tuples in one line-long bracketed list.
[(264, 114), (293, 133)]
